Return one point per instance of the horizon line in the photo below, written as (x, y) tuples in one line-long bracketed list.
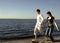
[(22, 18)]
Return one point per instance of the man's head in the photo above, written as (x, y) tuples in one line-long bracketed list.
[(38, 11)]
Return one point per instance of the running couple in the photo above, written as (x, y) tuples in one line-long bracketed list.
[(40, 21)]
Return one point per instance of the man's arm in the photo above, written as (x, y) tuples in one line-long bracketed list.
[(42, 19)]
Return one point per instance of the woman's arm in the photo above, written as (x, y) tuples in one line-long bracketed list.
[(56, 25)]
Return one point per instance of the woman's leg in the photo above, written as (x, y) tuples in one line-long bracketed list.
[(50, 33), (47, 31)]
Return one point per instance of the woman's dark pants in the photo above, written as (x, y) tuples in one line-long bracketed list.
[(49, 32)]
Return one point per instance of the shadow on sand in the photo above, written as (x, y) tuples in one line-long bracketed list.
[(57, 40)]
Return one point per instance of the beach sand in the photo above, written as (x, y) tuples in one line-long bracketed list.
[(29, 40)]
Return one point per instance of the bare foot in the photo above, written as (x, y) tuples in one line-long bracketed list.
[(46, 38)]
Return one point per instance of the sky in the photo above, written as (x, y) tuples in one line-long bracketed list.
[(26, 9)]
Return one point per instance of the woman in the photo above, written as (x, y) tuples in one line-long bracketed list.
[(51, 21)]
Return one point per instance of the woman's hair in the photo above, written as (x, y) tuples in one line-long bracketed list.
[(49, 13), (38, 10)]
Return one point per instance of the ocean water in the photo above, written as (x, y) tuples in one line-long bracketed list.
[(12, 28)]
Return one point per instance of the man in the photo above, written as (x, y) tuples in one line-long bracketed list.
[(39, 24)]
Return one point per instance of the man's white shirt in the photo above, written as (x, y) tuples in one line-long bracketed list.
[(39, 19), (38, 24)]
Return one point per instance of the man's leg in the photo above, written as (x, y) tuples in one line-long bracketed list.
[(40, 30), (35, 33), (36, 38)]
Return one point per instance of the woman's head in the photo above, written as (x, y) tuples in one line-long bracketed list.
[(38, 11), (49, 14)]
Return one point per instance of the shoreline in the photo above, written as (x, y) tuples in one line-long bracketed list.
[(27, 37), (29, 40)]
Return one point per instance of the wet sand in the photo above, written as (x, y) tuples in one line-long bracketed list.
[(29, 40)]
